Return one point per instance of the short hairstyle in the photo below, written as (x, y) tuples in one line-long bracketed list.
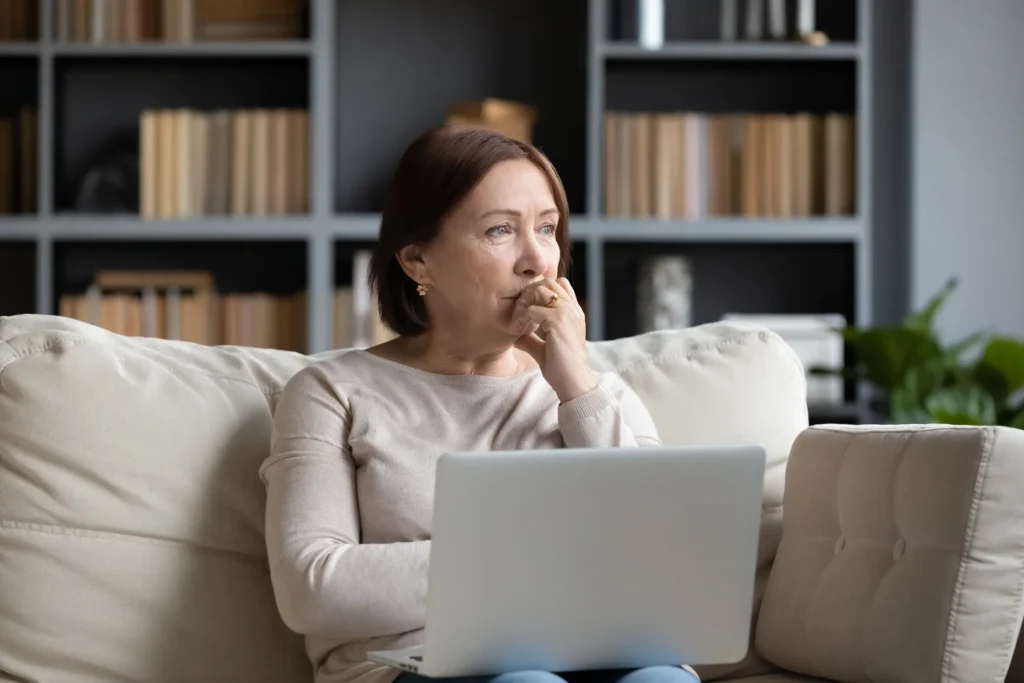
[(436, 172)]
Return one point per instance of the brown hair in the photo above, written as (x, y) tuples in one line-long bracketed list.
[(434, 174)]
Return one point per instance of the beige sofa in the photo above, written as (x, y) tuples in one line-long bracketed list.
[(131, 544)]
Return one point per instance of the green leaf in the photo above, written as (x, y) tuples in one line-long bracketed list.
[(1006, 356), (886, 354), (961, 347), (965, 405), (924, 320)]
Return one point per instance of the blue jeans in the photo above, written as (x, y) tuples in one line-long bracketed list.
[(650, 674)]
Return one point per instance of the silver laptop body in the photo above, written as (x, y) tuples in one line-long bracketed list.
[(572, 559)]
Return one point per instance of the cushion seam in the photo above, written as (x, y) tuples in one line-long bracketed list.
[(9, 351), (171, 365), (98, 535), (980, 480)]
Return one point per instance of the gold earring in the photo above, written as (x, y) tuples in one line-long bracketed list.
[(421, 290)]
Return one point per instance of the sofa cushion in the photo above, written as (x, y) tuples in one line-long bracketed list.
[(902, 555), (131, 543), (131, 527)]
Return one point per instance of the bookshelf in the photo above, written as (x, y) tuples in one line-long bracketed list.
[(373, 75)]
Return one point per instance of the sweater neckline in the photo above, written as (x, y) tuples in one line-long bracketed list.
[(490, 380)]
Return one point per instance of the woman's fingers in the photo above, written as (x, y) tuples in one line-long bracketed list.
[(567, 286)]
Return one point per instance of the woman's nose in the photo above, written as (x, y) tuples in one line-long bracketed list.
[(531, 262)]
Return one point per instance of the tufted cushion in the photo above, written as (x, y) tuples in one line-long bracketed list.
[(131, 543), (902, 555)]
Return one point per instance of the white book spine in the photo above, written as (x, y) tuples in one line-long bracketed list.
[(652, 24), (805, 17)]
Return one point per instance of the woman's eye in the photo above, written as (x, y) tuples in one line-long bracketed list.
[(498, 230), (548, 229)]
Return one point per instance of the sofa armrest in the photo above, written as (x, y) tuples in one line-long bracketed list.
[(901, 557)]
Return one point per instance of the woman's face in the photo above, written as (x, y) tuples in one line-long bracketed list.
[(498, 240)]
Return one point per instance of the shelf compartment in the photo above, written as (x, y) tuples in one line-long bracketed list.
[(746, 86), (17, 276), (260, 286), (461, 51), (740, 277), (105, 132), (19, 135), (702, 21)]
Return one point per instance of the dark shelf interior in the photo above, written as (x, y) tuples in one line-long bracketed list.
[(808, 278), (274, 267), (731, 86), (98, 103), (702, 20), (17, 277), (344, 255), (19, 84), (19, 102), (403, 63)]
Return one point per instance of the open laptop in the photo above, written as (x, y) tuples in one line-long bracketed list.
[(597, 558)]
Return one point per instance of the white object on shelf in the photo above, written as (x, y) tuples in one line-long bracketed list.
[(652, 24), (664, 294), (805, 17), (815, 344)]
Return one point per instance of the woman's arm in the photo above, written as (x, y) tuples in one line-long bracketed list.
[(610, 414), (325, 582)]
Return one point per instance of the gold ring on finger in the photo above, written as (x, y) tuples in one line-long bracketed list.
[(554, 300)]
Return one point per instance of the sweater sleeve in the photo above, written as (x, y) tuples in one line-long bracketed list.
[(326, 583), (610, 414)]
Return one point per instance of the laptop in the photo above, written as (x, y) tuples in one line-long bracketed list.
[(598, 558)]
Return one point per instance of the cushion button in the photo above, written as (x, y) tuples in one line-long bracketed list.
[(897, 552), (840, 543)]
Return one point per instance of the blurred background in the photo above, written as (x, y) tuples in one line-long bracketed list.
[(846, 172)]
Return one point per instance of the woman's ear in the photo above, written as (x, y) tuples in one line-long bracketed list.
[(411, 259)]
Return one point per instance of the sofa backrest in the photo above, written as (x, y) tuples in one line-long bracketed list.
[(131, 514)]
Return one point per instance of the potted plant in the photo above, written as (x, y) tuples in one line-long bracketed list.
[(977, 381)]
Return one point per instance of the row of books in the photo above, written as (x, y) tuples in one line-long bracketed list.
[(257, 319), (693, 164), (19, 20), (119, 21), (185, 305), (18, 155), (249, 162)]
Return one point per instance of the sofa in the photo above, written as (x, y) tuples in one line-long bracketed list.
[(131, 513)]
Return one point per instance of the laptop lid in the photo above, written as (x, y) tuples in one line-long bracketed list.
[(571, 559)]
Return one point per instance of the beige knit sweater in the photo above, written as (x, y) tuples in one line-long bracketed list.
[(350, 483)]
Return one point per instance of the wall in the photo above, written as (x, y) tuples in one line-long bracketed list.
[(967, 161)]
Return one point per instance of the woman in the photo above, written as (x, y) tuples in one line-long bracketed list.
[(490, 354)]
